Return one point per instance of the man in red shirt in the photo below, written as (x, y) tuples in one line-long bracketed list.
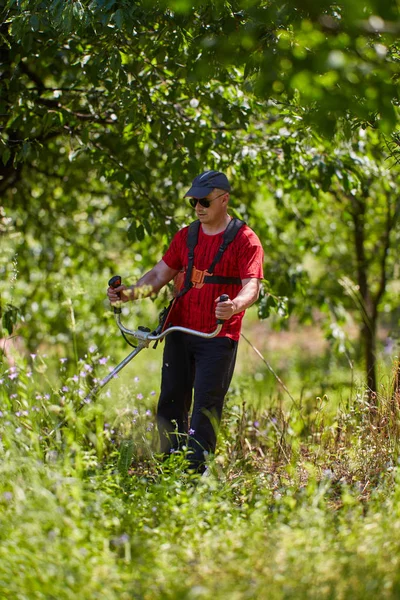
[(192, 363)]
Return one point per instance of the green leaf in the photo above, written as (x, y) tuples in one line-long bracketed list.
[(140, 232), (34, 22), (131, 233), (9, 318), (147, 226), (6, 156), (125, 456), (118, 18)]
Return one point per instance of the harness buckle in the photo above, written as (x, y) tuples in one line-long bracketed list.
[(198, 277)]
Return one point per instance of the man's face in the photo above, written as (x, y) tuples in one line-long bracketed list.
[(214, 212)]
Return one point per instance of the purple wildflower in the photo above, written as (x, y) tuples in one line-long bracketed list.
[(65, 388), (92, 349), (136, 379), (18, 430), (256, 424), (33, 356), (148, 413), (75, 378), (191, 431), (13, 375), (139, 396), (88, 368), (152, 393), (63, 360), (103, 360)]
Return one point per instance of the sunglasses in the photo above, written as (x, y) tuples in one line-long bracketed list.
[(203, 201)]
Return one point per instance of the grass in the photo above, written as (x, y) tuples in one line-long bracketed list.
[(302, 500)]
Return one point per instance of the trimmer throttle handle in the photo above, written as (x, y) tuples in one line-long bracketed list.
[(222, 298), (114, 283)]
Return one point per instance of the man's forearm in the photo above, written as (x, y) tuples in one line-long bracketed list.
[(146, 286), (247, 296)]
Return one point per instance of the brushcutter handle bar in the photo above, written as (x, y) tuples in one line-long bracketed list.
[(145, 337), (115, 282)]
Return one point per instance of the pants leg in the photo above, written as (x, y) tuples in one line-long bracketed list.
[(176, 392), (215, 362)]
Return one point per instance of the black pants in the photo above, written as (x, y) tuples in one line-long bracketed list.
[(207, 367)]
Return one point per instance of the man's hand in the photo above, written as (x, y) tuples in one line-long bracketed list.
[(120, 294), (225, 310)]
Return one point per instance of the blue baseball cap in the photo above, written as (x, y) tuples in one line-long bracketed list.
[(203, 184)]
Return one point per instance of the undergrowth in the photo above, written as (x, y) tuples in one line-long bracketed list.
[(298, 503)]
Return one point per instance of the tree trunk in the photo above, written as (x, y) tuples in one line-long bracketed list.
[(368, 308), (368, 333)]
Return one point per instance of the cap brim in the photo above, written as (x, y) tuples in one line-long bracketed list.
[(198, 192)]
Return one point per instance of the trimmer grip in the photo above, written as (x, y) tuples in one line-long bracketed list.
[(114, 283), (222, 298)]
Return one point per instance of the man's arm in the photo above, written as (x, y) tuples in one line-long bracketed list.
[(149, 284), (245, 298)]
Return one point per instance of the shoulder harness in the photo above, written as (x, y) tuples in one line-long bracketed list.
[(196, 278)]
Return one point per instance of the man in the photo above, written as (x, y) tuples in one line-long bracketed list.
[(192, 363)]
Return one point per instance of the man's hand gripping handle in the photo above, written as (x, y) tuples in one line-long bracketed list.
[(222, 298), (115, 282)]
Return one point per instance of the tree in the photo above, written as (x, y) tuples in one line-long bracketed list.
[(106, 105), (339, 210)]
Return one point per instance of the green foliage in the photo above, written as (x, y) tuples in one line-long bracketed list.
[(297, 500), (109, 108)]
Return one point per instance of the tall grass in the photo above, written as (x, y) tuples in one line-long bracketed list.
[(301, 501)]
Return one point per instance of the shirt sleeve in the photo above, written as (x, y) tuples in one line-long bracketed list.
[(173, 256), (251, 258)]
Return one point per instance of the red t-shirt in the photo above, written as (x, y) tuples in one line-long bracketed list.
[(243, 258)]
